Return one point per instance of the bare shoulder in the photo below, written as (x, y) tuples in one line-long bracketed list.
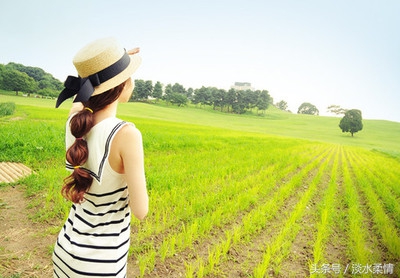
[(130, 131), (127, 146), (128, 135)]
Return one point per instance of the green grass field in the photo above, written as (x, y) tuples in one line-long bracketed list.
[(278, 195)]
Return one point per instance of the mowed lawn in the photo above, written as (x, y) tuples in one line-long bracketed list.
[(278, 194)]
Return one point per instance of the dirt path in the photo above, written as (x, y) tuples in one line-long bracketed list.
[(25, 247)]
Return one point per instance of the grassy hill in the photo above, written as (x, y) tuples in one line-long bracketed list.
[(379, 135)]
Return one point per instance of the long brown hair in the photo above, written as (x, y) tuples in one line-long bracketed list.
[(79, 182)]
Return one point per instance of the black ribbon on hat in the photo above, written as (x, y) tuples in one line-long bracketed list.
[(83, 88)]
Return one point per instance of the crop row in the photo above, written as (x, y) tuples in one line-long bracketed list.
[(383, 205), (238, 197), (253, 210)]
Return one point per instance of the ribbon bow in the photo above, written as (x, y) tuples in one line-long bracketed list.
[(82, 87)]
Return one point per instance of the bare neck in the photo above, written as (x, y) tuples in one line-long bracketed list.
[(108, 112)]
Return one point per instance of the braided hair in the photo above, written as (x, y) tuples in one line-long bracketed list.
[(79, 182)]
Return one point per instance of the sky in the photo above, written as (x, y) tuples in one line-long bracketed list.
[(342, 52)]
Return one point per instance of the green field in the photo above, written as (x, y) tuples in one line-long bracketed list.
[(278, 195)]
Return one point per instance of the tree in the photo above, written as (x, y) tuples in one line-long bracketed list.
[(36, 73), (239, 105), (14, 80), (175, 94), (217, 97), (282, 105), (157, 91), (143, 89), (43, 79), (2, 70), (250, 98), (178, 88), (308, 108), (230, 98), (190, 93), (178, 99), (168, 93), (336, 109), (202, 96), (263, 100), (351, 122), (148, 86), (139, 91)]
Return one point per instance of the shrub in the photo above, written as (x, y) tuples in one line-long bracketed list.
[(7, 108)]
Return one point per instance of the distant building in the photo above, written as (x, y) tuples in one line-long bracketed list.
[(242, 86)]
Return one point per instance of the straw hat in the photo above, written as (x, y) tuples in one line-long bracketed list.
[(101, 65)]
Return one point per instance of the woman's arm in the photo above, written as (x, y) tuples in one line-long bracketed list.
[(132, 155)]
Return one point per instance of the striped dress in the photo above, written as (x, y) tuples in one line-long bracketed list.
[(94, 241)]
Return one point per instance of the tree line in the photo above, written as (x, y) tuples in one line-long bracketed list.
[(33, 80), (232, 101), (20, 78)]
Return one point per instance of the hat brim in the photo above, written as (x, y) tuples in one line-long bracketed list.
[(121, 77)]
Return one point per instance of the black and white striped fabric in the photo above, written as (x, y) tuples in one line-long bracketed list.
[(94, 241)]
